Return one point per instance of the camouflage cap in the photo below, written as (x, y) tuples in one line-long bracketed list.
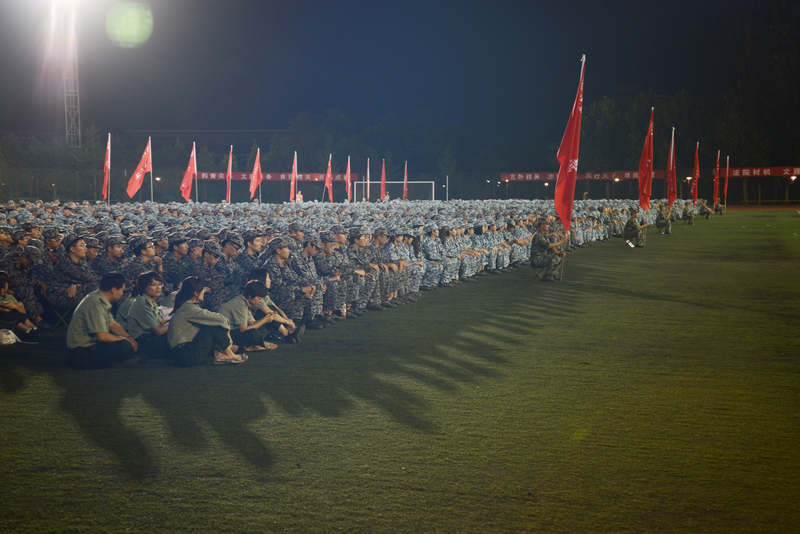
[(311, 238), (137, 242), (233, 237), (250, 235), (16, 235), (277, 243), (212, 248), (194, 243), (113, 240), (30, 225), (296, 227), (33, 254), (71, 239), (327, 237), (92, 242)]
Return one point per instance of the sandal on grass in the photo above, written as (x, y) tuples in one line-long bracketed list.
[(229, 361)]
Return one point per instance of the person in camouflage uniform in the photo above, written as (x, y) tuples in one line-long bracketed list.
[(633, 230), (663, 221), (544, 254), (111, 259), (247, 259), (365, 274), (175, 262), (73, 279), (303, 264), (327, 268), (5, 239), (430, 253), (144, 260), (19, 268), (214, 276), (287, 291)]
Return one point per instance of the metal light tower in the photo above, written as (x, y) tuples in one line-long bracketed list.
[(72, 101)]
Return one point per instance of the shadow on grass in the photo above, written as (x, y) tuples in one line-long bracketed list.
[(389, 360)]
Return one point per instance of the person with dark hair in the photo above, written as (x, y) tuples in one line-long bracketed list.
[(289, 291), (175, 261), (19, 268), (365, 274), (633, 230), (111, 258), (247, 259), (73, 279), (144, 259), (94, 339), (544, 254), (12, 312), (303, 265), (285, 326), (195, 334), (143, 320), (246, 331)]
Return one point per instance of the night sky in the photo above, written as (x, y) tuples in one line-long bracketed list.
[(500, 68)]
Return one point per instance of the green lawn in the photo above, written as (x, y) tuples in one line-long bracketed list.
[(654, 389)]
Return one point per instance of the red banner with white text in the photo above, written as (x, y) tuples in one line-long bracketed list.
[(275, 176)]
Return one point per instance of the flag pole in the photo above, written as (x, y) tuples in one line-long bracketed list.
[(259, 193)]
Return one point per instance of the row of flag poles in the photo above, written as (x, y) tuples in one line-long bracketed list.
[(190, 175), (565, 183)]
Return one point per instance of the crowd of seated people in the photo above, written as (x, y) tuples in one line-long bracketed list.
[(207, 283)]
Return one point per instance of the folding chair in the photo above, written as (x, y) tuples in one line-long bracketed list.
[(64, 316)]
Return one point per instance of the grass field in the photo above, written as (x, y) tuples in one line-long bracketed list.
[(654, 389)]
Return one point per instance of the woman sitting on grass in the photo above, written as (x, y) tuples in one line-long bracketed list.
[(195, 333), (143, 320)]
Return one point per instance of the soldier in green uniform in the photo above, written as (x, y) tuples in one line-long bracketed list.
[(94, 339)]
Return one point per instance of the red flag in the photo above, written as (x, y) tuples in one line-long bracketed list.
[(672, 186), (383, 181), (347, 183), (716, 180), (695, 172), (568, 158), (145, 166), (646, 168), (405, 183), (329, 179), (107, 168), (367, 179), (188, 176), (255, 178), (228, 177), (727, 171), (294, 178)]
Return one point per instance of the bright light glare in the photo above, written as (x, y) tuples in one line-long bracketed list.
[(129, 24)]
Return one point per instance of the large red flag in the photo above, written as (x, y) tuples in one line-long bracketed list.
[(329, 179), (646, 168), (695, 173), (383, 181), (367, 179), (189, 176), (107, 168), (716, 180), (228, 177), (347, 183), (727, 171), (672, 186), (255, 178), (568, 157), (294, 178), (405, 183), (145, 166)]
